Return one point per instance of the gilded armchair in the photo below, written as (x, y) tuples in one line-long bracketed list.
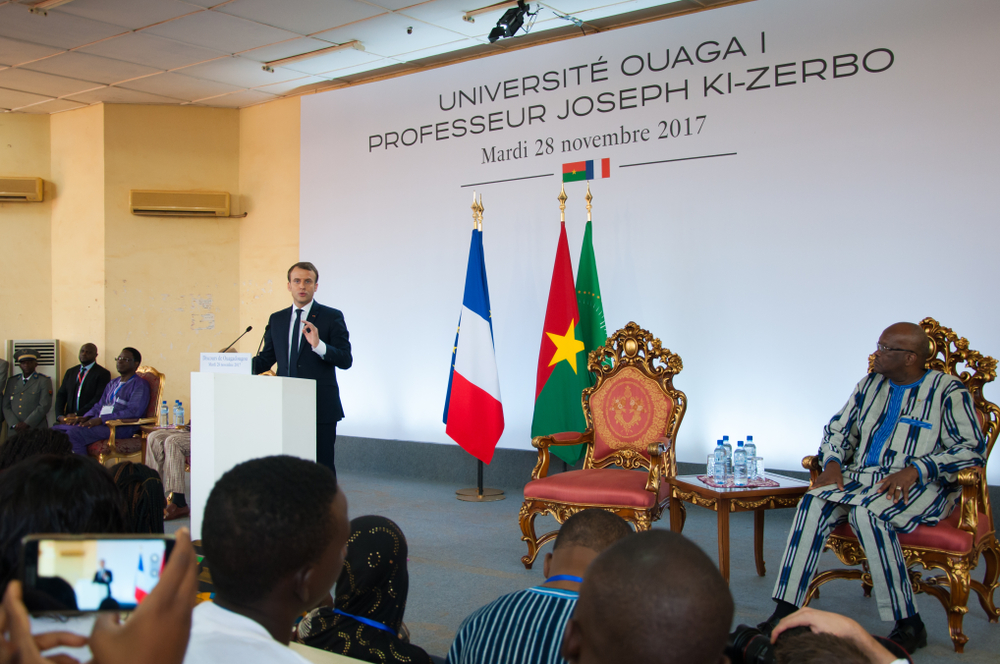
[(955, 544), (116, 449), (633, 413)]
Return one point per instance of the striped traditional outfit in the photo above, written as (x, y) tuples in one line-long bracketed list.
[(930, 424), (525, 627)]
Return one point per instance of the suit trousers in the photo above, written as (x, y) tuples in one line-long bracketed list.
[(815, 519), (326, 438)]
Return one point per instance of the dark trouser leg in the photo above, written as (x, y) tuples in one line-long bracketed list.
[(326, 437)]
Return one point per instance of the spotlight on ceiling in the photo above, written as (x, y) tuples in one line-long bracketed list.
[(510, 22)]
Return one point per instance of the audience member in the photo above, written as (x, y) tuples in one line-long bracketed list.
[(275, 530), (832, 639), (155, 633), (27, 396), (143, 493), (124, 398), (32, 443), (367, 617), (54, 494), (901, 439), (82, 385), (166, 453), (4, 370), (527, 626), (654, 598)]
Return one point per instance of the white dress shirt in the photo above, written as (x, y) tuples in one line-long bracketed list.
[(219, 636), (320, 348)]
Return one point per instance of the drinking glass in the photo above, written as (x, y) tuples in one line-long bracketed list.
[(710, 466)]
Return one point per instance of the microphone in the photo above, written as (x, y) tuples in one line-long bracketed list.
[(249, 327), (261, 344)]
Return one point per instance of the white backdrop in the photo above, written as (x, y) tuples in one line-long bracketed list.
[(851, 202)]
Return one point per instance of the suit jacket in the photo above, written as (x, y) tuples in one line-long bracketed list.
[(4, 367), (93, 387), (27, 402), (332, 330)]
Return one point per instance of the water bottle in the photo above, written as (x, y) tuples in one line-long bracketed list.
[(750, 448), (164, 414), (179, 420), (740, 465), (720, 464), (729, 457)]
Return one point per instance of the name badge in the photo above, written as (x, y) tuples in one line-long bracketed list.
[(107, 410)]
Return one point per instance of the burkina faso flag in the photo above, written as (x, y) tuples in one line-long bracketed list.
[(562, 360)]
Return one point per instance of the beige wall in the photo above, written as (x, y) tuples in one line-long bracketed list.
[(26, 290), (77, 250), (86, 269), (269, 236)]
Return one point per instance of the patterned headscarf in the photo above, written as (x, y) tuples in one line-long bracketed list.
[(373, 586)]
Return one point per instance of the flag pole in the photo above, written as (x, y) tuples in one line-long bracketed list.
[(478, 494)]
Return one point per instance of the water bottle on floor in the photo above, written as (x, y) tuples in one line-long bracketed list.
[(719, 477), (729, 457), (164, 414), (740, 465)]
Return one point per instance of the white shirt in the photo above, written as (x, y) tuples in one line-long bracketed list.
[(320, 348), (219, 636)]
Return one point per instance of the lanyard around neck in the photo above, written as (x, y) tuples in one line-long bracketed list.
[(366, 621)]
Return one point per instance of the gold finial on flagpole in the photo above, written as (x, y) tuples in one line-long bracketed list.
[(589, 197), (562, 204), (475, 211), (479, 209)]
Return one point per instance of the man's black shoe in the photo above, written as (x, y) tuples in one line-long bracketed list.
[(909, 637)]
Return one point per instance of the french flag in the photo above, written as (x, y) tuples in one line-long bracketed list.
[(473, 411), (145, 579)]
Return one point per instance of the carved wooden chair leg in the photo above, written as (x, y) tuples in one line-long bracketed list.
[(528, 535), (986, 589), (866, 580), (958, 580)]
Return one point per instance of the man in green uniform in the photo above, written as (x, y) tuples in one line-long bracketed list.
[(27, 396)]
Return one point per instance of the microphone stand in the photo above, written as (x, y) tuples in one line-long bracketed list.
[(249, 327), (260, 346)]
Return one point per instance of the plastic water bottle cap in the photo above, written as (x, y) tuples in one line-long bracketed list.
[(720, 443), (725, 438), (749, 439), (739, 444)]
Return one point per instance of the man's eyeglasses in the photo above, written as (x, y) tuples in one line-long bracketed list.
[(124, 359), (885, 349)]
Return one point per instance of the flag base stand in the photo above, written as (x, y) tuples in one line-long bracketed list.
[(478, 494)]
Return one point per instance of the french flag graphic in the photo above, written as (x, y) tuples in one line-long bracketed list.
[(144, 580), (473, 411)]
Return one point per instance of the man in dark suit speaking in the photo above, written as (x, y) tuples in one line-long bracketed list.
[(309, 340)]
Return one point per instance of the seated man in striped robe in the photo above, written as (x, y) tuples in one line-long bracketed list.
[(890, 461), (526, 627)]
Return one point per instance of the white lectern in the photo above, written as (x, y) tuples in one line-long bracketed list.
[(238, 418)]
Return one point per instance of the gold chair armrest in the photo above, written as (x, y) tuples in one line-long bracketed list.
[(969, 479), (114, 424), (811, 463), (657, 460), (543, 443)]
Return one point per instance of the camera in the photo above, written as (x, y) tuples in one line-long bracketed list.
[(749, 645)]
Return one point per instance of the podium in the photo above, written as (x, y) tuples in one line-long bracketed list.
[(239, 417)]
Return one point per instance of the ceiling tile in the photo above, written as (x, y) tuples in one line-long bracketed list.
[(43, 84), (54, 106), (127, 13), (240, 72), (302, 16), (239, 99), (220, 32), (59, 30), (386, 35), (153, 51), (349, 57), (285, 49), (121, 96), (395, 5), (290, 86), (179, 86), (437, 50), (360, 69), (13, 52), (15, 99), (90, 67), (448, 14)]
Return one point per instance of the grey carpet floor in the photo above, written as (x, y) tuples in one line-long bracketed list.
[(463, 555)]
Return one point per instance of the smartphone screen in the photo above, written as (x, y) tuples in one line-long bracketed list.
[(74, 573)]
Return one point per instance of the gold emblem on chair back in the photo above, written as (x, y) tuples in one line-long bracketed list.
[(633, 403)]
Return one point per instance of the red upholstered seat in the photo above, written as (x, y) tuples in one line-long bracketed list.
[(124, 445), (613, 487), (945, 536)]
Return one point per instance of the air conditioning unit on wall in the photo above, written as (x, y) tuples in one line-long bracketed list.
[(179, 203), (21, 190)]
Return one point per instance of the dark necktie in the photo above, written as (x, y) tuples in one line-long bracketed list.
[(293, 357), (80, 376)]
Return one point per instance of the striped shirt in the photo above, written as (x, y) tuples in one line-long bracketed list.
[(525, 627)]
